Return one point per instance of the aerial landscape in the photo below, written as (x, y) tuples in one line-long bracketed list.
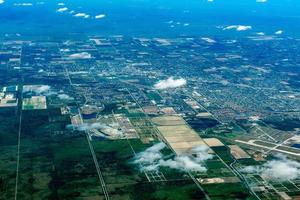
[(149, 100)]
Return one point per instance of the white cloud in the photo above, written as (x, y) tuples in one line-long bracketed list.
[(210, 0), (2, 1), (170, 83), (62, 9), (65, 97), (152, 159), (260, 33), (104, 129), (279, 32), (38, 89), (238, 27), (99, 16), (61, 4), (83, 15), (250, 169), (209, 40), (23, 4), (83, 55), (65, 50), (43, 89), (183, 163), (279, 169), (149, 159), (201, 153), (85, 126), (262, 38), (261, 1)]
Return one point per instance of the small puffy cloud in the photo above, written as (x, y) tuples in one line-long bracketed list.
[(104, 130), (209, 40), (260, 33), (188, 163), (23, 4), (261, 1), (201, 153), (99, 16), (85, 126), (61, 4), (65, 97), (279, 32), (83, 15), (152, 159), (238, 27), (82, 55), (250, 169), (183, 163), (43, 89), (149, 159), (62, 9), (65, 50), (2, 1), (170, 83), (243, 28), (279, 169), (38, 89)]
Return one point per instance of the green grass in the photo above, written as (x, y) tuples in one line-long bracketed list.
[(227, 191), (8, 152)]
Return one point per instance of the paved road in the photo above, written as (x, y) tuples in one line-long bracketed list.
[(100, 176), (19, 138)]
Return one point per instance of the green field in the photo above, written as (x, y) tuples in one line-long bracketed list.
[(56, 163), (8, 152)]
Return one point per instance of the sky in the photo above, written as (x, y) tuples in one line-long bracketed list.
[(148, 17)]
